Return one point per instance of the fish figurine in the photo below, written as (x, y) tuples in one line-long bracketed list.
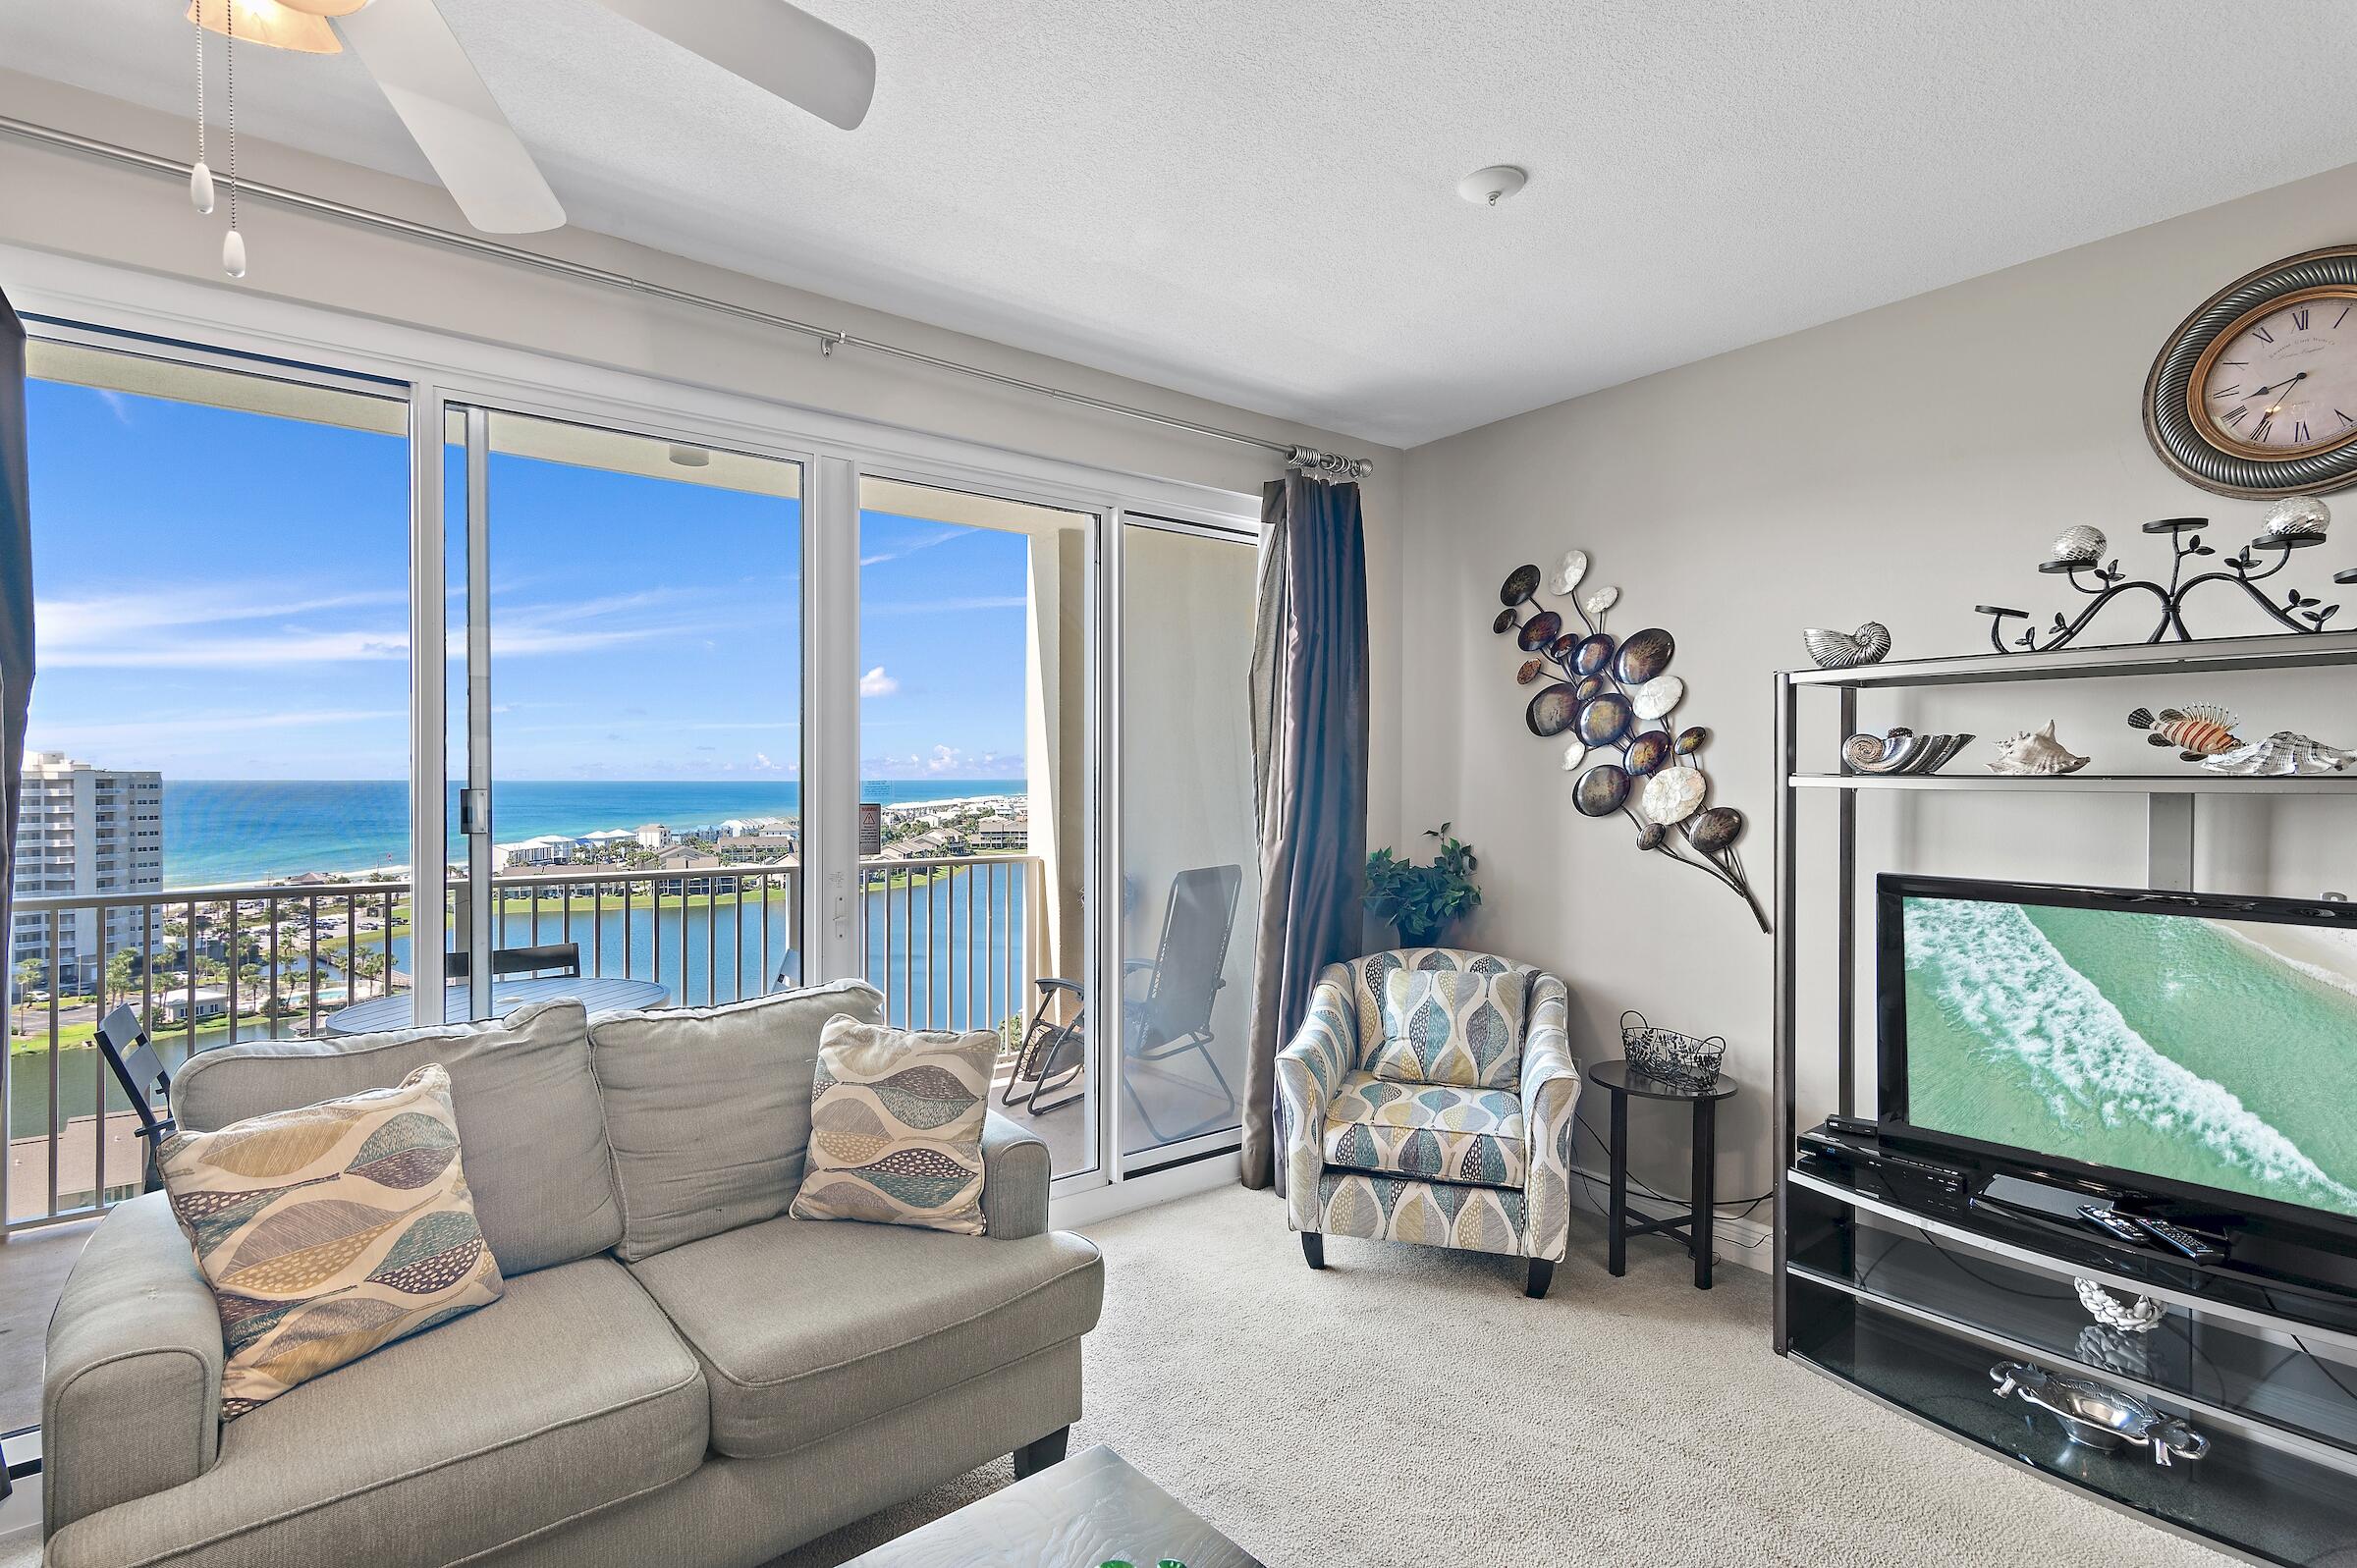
[(2196, 733)]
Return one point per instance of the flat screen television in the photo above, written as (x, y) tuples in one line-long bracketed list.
[(2199, 1048)]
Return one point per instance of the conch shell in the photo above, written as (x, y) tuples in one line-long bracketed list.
[(2036, 751)]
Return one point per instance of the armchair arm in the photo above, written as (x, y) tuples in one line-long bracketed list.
[(1550, 1092), (1308, 1072), (131, 1397), (1016, 1169)]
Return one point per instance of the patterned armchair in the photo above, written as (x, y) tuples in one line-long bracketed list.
[(1377, 1154)]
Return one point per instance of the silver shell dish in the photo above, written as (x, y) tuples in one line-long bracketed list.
[(2281, 755), (1845, 650), (1567, 575), (2080, 547), (1602, 598), (1656, 697), (1674, 794), (2036, 753), (1902, 750), (2296, 518), (2098, 1417)]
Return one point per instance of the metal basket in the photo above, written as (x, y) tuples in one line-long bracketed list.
[(1679, 1060)]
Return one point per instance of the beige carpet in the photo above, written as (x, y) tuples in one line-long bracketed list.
[(1410, 1408)]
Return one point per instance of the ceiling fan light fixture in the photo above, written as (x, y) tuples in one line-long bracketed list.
[(267, 22), (1486, 187)]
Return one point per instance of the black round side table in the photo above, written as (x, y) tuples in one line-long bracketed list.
[(1620, 1080)]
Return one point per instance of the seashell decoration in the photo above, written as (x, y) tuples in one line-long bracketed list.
[(2036, 753), (1602, 790), (2078, 547), (1538, 631), (1649, 752), (1606, 701), (1645, 655), (1674, 794), (1902, 750), (2296, 518), (2284, 754), (1655, 698), (1836, 650)]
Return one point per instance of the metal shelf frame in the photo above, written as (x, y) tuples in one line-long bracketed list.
[(2169, 815)]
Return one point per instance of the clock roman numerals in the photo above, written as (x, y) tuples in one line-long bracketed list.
[(2234, 391), (2299, 432), (2237, 414), (2265, 424), (2262, 334), (2299, 319)]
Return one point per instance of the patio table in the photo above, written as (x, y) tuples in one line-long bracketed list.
[(598, 994)]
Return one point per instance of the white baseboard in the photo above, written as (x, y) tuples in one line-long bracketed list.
[(1748, 1242)]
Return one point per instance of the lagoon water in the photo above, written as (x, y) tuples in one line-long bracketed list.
[(2174, 1047)]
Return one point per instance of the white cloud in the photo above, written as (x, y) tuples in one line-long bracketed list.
[(876, 684), (96, 736), (928, 606)]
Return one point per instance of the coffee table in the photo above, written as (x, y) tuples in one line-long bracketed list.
[(1090, 1509)]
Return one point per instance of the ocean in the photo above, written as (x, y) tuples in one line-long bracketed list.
[(223, 831), (2180, 1048)]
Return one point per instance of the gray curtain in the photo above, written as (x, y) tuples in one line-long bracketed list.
[(16, 610), (1309, 771), (15, 643)]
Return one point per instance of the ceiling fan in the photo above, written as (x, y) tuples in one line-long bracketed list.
[(432, 85)]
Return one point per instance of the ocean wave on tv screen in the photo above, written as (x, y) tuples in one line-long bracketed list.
[(1998, 978)]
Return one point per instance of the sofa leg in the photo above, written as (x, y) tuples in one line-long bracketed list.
[(1035, 1457), (1313, 1247), (1542, 1275)]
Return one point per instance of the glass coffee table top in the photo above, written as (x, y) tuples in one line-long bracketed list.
[(1090, 1509)]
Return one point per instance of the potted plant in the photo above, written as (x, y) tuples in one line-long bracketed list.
[(1422, 902)]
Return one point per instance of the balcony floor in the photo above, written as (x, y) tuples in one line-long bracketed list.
[(33, 1271)]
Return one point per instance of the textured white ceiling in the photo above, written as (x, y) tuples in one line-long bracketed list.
[(1254, 199)]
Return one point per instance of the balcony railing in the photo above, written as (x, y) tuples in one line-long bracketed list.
[(949, 941)]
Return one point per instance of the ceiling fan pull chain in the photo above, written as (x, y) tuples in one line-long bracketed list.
[(233, 245), (201, 178)]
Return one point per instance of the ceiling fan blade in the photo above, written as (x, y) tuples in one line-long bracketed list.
[(778, 47), (433, 85)]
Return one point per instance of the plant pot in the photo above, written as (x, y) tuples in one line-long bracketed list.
[(1424, 937)]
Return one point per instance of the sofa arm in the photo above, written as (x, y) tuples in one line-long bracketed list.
[(1015, 1171), (1550, 1092), (130, 1397), (1309, 1071)]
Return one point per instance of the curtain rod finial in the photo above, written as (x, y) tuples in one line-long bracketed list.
[(1329, 465)]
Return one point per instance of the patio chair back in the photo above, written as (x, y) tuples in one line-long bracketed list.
[(138, 1070), (562, 959), (1195, 931)]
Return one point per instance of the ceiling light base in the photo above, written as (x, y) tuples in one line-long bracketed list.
[(1486, 187)]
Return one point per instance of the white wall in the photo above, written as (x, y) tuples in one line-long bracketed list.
[(1902, 466)]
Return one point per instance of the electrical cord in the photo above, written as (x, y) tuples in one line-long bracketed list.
[(1749, 1203)]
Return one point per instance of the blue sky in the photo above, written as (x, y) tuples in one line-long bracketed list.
[(224, 595)]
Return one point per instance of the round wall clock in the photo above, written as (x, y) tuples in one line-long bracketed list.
[(2256, 393)]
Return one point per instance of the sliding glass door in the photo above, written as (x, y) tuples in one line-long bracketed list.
[(978, 784), (1190, 878), (625, 716)]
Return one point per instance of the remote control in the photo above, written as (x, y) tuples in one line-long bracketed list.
[(2180, 1239), (2118, 1224)]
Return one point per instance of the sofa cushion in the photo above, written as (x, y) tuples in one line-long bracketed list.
[(806, 1328), (1451, 1026), (570, 1393), (1433, 1132), (329, 1230), (708, 1108), (529, 1115)]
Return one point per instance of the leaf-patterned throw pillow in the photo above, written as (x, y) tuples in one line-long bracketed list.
[(329, 1230), (896, 1128), (1453, 1026)]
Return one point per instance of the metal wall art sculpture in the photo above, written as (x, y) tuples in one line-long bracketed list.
[(1612, 698), (2298, 523)]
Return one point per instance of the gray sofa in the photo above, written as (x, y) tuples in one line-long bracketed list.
[(677, 1374)]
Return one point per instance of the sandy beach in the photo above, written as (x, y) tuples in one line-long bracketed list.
[(2328, 956)]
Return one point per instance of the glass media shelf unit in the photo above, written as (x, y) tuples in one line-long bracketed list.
[(1911, 1291)]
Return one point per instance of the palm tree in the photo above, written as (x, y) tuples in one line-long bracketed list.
[(28, 971)]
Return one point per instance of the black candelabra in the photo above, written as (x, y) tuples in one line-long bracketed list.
[(2105, 583)]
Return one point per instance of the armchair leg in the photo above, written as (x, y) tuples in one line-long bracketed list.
[(1542, 1275), (1035, 1457), (1314, 1248)]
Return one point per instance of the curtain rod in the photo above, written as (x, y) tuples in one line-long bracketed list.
[(1308, 458)]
